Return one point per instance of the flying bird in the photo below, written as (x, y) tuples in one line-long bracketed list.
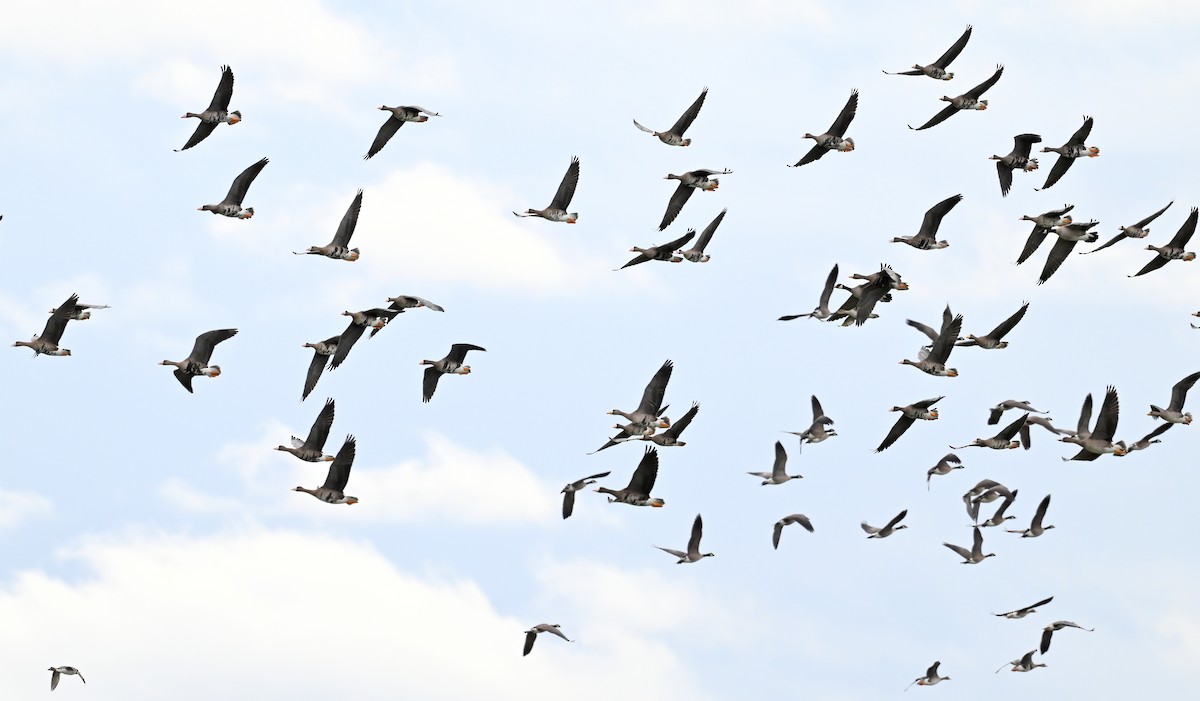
[(994, 339), (1017, 159), (1068, 236), (312, 448), (640, 485), (1174, 412), (1097, 441), (1048, 631), (670, 437), (532, 633), (1042, 225), (665, 252), (1174, 248), (568, 492), (816, 431), (1025, 611), (693, 553), (231, 206), (688, 183), (196, 363), (834, 139), (890, 528), (933, 361), (801, 519), (397, 118), (967, 101), (82, 312), (674, 135), (917, 410), (403, 302), (926, 238), (321, 353), (339, 247), (47, 342), (1136, 231), (1035, 526), (696, 253), (217, 112), (58, 671), (975, 555), (557, 211), (333, 491), (931, 677), (778, 473), (452, 364), (1068, 152), (1025, 664), (822, 311), (945, 466), (937, 69)]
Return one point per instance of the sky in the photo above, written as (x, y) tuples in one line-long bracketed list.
[(151, 536)]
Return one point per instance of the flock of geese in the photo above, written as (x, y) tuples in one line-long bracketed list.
[(648, 423)]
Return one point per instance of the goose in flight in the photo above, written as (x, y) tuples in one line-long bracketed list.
[(674, 135), (931, 677), (1048, 631), (834, 138), (1017, 159), (1136, 231), (1068, 152), (778, 473), (231, 206), (945, 466), (217, 112), (321, 353), (532, 633), (967, 101), (47, 342), (696, 253), (196, 363), (333, 491), (926, 238), (890, 528), (640, 485), (664, 252), (1174, 250), (822, 311), (816, 431), (1025, 664), (1099, 440), (1026, 610), (397, 118), (452, 364), (994, 339), (339, 247), (801, 519), (57, 672), (917, 410), (1035, 527), (557, 211), (975, 555), (693, 553), (568, 492), (312, 448), (937, 69), (689, 182)]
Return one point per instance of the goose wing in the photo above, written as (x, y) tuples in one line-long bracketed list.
[(203, 129), (1142, 224), (1180, 239), (57, 323), (683, 422), (842, 123), (458, 351), (656, 389), (898, 430), (349, 220), (339, 469), (185, 379), (241, 184), (953, 52), (898, 518), (680, 198), (566, 189), (1041, 514), (697, 533), (779, 468), (1106, 422), (814, 154), (1062, 248), (827, 291), (707, 234), (1023, 143), (645, 474), (224, 91), (345, 342), (319, 433), (386, 131), (933, 217), (1155, 263), (1061, 166), (429, 384), (1081, 134), (940, 352), (936, 119), (205, 343), (818, 412), (1180, 390), (1036, 237), (983, 87), (1005, 173), (568, 506), (685, 120), (1007, 325)]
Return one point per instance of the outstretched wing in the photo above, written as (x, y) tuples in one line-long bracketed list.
[(1062, 249), (813, 154), (241, 184), (1154, 264), (980, 89), (349, 220), (656, 389), (203, 129), (842, 123), (223, 93), (898, 430), (707, 234), (953, 52), (386, 131), (645, 474), (1007, 325), (346, 341), (319, 432), (685, 120), (205, 343), (566, 189), (1180, 239), (339, 469), (315, 368), (936, 119), (678, 199), (1154, 216), (1082, 133), (458, 351), (1061, 166), (933, 217)]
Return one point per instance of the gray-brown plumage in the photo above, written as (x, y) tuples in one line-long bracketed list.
[(1017, 159), (321, 354), (217, 112), (1003, 440), (801, 519), (967, 101), (1024, 611), (664, 252), (375, 317), (231, 206), (816, 431), (1042, 225), (1068, 152), (1149, 439), (945, 466), (197, 361), (1136, 231), (975, 555), (937, 69), (397, 118), (557, 211), (1174, 249), (670, 437), (696, 253), (822, 311), (452, 364), (674, 135), (693, 553), (890, 528), (333, 491), (688, 183), (640, 485), (878, 285), (834, 138), (778, 473), (1068, 235), (917, 410), (1048, 631), (1098, 440), (993, 340), (339, 247), (312, 448), (926, 238), (1035, 525), (933, 361), (649, 410), (532, 633), (568, 492), (998, 410), (999, 516), (46, 343)]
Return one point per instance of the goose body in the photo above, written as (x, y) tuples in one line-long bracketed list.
[(908, 414), (689, 182), (670, 437), (696, 253), (887, 530), (557, 211), (937, 69), (1174, 412), (312, 448), (568, 492), (926, 238), (650, 409), (196, 364), (975, 555), (231, 206), (967, 101), (640, 485), (1139, 230), (1174, 250), (945, 466), (1017, 159), (1099, 440), (374, 318), (834, 139), (532, 633), (933, 362), (1025, 664), (1068, 152), (1068, 235), (46, 343), (452, 364), (778, 473), (82, 312), (817, 431), (1049, 630), (693, 553), (333, 490), (339, 247), (994, 338), (801, 519), (217, 112), (1003, 440), (57, 672), (397, 118), (931, 677), (674, 135)]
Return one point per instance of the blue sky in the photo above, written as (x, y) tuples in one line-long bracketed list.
[(152, 537)]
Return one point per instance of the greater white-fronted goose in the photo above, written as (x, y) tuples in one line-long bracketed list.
[(56, 673), (878, 285), (46, 343), (693, 553), (1068, 236), (998, 411), (1137, 231), (557, 211), (778, 473), (822, 311), (929, 331), (1174, 248), (1025, 664), (1017, 159), (640, 485), (1148, 440), (696, 253), (801, 519), (665, 252), (333, 491), (674, 135), (339, 247), (409, 302), (627, 432), (1068, 152), (321, 353), (984, 492), (834, 138), (650, 409), (967, 101), (1048, 631), (375, 318), (917, 410), (937, 69), (945, 466), (532, 633), (1025, 611), (670, 437), (926, 238), (217, 112), (399, 115), (933, 361), (1044, 422), (688, 183), (931, 677), (975, 555), (312, 449), (816, 431), (890, 528), (999, 517), (452, 364), (993, 340), (197, 361), (231, 206), (1099, 440), (1042, 225), (1035, 526), (568, 491), (81, 312), (1174, 412)]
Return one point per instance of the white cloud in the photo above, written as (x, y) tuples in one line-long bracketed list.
[(295, 616), (18, 506)]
